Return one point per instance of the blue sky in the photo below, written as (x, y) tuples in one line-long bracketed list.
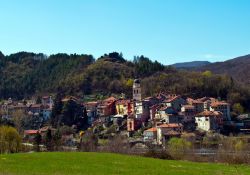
[(165, 30)]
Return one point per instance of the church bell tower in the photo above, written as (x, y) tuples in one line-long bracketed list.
[(137, 90)]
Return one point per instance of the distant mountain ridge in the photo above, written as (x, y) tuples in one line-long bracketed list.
[(192, 64), (238, 68)]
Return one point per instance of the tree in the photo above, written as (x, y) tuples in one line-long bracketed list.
[(238, 108), (38, 100), (57, 109), (85, 118), (88, 141), (177, 147), (1, 56), (57, 139), (37, 141), (32, 122), (18, 119), (129, 83), (72, 114), (207, 73), (10, 140), (48, 140)]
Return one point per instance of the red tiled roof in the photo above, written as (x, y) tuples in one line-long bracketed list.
[(164, 108), (218, 103), (123, 102), (188, 106), (209, 113), (92, 103), (151, 130), (204, 99), (36, 106), (46, 128), (197, 102), (148, 98), (30, 132), (110, 99), (189, 100), (70, 98), (172, 99), (170, 125)]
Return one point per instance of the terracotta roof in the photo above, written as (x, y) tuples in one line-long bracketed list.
[(70, 98), (170, 125), (124, 102), (151, 130), (36, 106), (148, 98), (197, 102), (188, 106), (209, 113), (92, 103), (164, 108), (30, 132), (189, 100), (204, 99), (46, 128), (172, 99), (110, 99), (218, 103)]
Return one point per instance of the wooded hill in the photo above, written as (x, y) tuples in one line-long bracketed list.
[(238, 68), (27, 74)]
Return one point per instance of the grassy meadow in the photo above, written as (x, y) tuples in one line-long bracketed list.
[(107, 164)]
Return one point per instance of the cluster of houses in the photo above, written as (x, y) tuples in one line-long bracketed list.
[(169, 115), (29, 107)]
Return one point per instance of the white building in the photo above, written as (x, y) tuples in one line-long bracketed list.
[(209, 120)]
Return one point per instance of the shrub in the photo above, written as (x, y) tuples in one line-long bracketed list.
[(178, 147), (10, 141), (88, 141)]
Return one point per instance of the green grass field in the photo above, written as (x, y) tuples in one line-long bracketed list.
[(105, 163)]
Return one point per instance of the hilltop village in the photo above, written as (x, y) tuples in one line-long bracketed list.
[(153, 120)]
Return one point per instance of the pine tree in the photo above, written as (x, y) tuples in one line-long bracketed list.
[(37, 141)]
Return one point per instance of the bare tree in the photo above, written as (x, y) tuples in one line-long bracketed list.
[(18, 117)]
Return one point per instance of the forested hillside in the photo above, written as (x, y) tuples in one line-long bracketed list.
[(238, 68), (192, 64), (27, 74)]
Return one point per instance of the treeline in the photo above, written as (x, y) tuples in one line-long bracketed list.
[(27, 74)]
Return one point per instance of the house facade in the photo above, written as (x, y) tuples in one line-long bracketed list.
[(150, 135), (209, 120), (106, 107), (166, 131), (124, 107), (223, 107), (91, 108)]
